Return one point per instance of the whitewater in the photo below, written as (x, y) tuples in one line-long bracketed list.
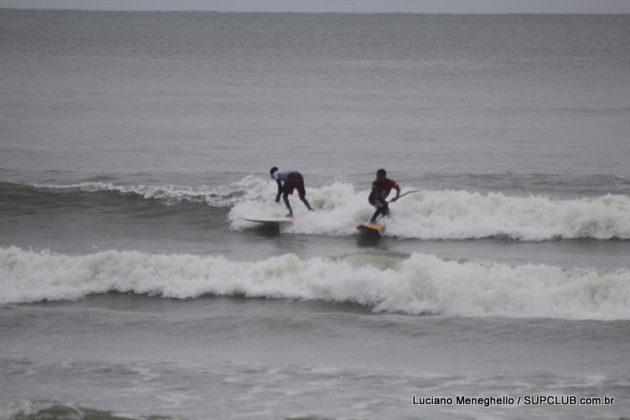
[(416, 284)]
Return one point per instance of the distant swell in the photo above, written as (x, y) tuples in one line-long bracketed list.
[(416, 284), (220, 196)]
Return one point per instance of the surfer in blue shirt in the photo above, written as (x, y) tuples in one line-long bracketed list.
[(289, 180)]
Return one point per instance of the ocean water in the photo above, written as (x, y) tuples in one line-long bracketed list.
[(133, 145)]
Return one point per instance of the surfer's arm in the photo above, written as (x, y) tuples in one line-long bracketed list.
[(397, 188)]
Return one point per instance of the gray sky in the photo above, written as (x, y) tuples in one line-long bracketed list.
[(361, 6)]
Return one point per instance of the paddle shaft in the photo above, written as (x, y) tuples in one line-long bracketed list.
[(402, 195)]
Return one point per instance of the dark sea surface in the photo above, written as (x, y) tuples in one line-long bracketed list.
[(133, 145)]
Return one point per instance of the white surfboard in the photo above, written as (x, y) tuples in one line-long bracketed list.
[(271, 221)]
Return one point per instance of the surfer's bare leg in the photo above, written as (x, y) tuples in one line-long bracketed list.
[(305, 201), (374, 216), (285, 197)]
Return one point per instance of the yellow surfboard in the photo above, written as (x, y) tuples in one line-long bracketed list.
[(372, 228)]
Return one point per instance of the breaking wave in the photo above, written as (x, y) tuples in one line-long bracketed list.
[(415, 284), (426, 214), (449, 214)]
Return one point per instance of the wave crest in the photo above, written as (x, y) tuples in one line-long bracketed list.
[(415, 284), (427, 214), (214, 196)]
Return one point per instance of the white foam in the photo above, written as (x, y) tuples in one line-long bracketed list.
[(446, 214), (419, 284)]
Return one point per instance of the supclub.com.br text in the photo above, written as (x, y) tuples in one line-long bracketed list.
[(527, 400)]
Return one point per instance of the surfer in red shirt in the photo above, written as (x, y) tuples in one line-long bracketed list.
[(381, 187)]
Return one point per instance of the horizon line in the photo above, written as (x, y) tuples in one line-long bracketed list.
[(65, 9)]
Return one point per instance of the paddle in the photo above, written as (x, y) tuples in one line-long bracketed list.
[(402, 195)]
